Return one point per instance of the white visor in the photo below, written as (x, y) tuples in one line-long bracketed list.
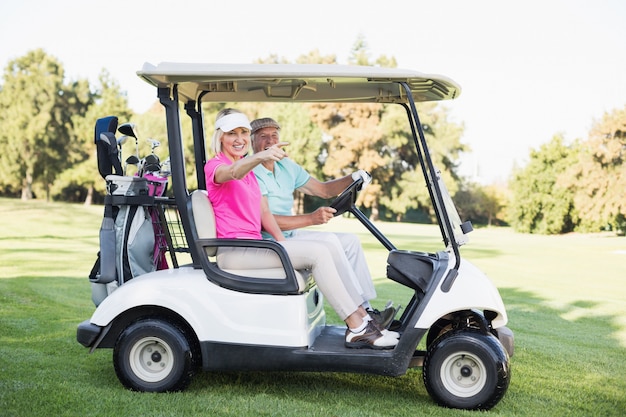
[(232, 121)]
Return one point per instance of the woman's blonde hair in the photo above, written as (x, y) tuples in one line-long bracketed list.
[(216, 143)]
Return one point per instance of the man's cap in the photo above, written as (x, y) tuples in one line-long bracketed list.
[(262, 123)]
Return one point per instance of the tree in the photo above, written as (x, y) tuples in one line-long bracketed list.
[(314, 57), (354, 139), (598, 178), (540, 204), (480, 204), (80, 181), (360, 52), (403, 170), (37, 111)]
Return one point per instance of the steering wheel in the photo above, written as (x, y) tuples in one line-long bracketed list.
[(347, 198)]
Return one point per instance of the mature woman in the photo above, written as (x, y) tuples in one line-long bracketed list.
[(240, 212)]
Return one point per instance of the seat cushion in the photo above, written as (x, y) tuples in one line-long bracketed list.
[(304, 277)]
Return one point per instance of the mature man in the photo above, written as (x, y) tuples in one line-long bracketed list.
[(278, 180)]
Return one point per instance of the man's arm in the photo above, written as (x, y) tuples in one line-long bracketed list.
[(326, 189), (320, 216)]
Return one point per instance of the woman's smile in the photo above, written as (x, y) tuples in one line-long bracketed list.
[(236, 142)]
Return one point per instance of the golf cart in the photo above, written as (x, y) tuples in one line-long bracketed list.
[(166, 324)]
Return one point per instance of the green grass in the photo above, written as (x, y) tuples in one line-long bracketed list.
[(565, 296)]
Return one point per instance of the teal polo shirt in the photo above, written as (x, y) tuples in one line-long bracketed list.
[(278, 186)]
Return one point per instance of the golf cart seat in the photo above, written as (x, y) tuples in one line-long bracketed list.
[(283, 280)]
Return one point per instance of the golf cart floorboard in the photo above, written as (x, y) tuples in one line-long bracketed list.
[(332, 341), (328, 353)]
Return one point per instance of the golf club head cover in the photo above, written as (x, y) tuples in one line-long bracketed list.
[(107, 146)]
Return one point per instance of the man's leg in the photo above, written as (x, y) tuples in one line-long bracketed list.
[(350, 245), (354, 252)]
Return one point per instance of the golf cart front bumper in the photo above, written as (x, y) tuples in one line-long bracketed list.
[(505, 336)]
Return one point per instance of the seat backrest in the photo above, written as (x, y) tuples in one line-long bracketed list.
[(204, 217)]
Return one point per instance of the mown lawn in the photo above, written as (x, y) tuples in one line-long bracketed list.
[(565, 296)]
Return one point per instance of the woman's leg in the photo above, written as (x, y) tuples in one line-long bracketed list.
[(345, 299), (303, 254)]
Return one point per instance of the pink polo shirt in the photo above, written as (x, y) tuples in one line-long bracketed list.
[(237, 203)]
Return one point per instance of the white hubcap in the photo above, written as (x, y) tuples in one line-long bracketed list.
[(463, 374), (151, 359)]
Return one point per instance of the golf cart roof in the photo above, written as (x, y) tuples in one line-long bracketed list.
[(296, 82)]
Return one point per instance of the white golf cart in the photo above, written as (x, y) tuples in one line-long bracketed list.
[(166, 324)]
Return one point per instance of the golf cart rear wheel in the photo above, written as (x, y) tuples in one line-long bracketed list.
[(153, 355), (466, 369)]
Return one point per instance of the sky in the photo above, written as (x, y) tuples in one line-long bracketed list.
[(528, 70)]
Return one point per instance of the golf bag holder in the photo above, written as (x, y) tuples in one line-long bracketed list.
[(133, 234), (127, 235)]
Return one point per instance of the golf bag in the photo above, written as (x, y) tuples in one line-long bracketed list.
[(130, 222)]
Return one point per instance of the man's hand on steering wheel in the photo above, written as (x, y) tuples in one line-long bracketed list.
[(347, 198), (322, 215), (345, 201), (364, 175)]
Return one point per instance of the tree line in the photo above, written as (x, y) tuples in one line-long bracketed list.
[(47, 151), (578, 187)]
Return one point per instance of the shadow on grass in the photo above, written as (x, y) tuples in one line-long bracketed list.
[(585, 304)]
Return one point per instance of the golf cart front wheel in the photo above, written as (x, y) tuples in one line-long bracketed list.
[(153, 355), (466, 369)]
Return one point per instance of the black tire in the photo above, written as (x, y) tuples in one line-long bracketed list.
[(437, 330), (442, 326), (466, 369), (153, 355)]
